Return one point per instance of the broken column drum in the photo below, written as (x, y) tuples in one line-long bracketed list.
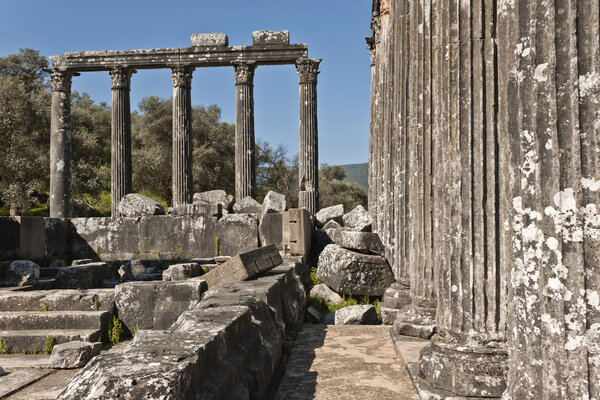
[(308, 173), (245, 157), (60, 144), (182, 136), (120, 137)]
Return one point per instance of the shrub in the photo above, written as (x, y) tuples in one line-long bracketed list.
[(49, 345)]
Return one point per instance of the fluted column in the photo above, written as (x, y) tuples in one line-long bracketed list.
[(308, 174), (60, 144), (245, 157), (120, 183), (182, 135)]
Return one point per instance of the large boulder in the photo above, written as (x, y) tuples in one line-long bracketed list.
[(323, 291), (136, 205), (358, 219), (273, 203), (364, 242), (247, 205), (73, 354), (356, 315), (22, 273), (81, 208), (181, 272), (349, 272), (197, 209), (327, 214), (332, 224), (85, 276), (215, 197)]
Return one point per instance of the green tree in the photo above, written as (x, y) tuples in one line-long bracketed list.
[(335, 189), (275, 171), (24, 127)]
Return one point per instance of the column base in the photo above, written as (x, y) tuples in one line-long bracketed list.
[(395, 299), (415, 321), (463, 370)]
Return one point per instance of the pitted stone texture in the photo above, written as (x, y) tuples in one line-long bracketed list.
[(247, 205), (335, 213), (209, 39), (464, 370), (365, 242), (270, 37), (73, 354), (415, 322), (397, 296), (197, 209), (331, 224), (238, 233), (136, 205), (274, 203), (356, 315), (22, 273), (323, 291), (181, 272), (270, 229), (215, 197), (349, 272), (358, 219), (85, 276)]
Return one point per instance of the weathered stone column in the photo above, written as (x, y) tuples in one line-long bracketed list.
[(549, 113), (308, 173), (182, 136), (245, 157), (120, 183), (60, 144)]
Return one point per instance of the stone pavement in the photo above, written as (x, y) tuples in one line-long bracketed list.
[(348, 362)]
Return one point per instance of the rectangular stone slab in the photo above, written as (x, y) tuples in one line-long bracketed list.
[(270, 37), (209, 39), (244, 266)]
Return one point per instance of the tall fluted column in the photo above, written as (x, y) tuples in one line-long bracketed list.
[(120, 183), (245, 157), (308, 174), (182, 135), (60, 145)]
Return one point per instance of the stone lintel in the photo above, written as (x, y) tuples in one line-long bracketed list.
[(191, 56), (209, 39)]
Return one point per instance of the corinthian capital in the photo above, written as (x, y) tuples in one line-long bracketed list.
[(182, 76), (308, 69), (121, 77), (60, 80), (244, 73)]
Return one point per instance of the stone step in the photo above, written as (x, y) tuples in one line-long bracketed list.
[(57, 300), (35, 340), (28, 320)]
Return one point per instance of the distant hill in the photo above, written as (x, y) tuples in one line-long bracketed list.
[(358, 173)]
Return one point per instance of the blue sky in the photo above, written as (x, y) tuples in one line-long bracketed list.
[(334, 31)]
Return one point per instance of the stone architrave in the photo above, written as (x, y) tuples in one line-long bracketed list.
[(245, 157), (121, 168), (60, 144), (182, 135), (308, 173)]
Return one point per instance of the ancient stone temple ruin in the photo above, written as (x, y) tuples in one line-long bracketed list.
[(207, 50), (484, 188)]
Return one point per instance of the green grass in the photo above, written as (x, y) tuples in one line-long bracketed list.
[(49, 344)]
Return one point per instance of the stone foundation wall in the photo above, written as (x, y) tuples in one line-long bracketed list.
[(229, 346)]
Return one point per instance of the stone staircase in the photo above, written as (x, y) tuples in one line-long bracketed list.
[(29, 318)]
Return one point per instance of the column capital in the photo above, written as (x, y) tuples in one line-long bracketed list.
[(308, 69), (182, 76), (244, 73), (60, 80), (121, 77)]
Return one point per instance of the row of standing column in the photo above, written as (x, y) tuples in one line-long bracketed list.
[(121, 165)]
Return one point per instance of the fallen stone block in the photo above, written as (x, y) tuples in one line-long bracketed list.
[(209, 39), (181, 272), (327, 214), (323, 291), (238, 233), (349, 272), (270, 37), (215, 197), (364, 242), (136, 205), (358, 219), (244, 266), (273, 203), (80, 208), (22, 273), (331, 224), (356, 315), (125, 273), (247, 205), (197, 209), (175, 298), (85, 276), (81, 261), (73, 354)]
